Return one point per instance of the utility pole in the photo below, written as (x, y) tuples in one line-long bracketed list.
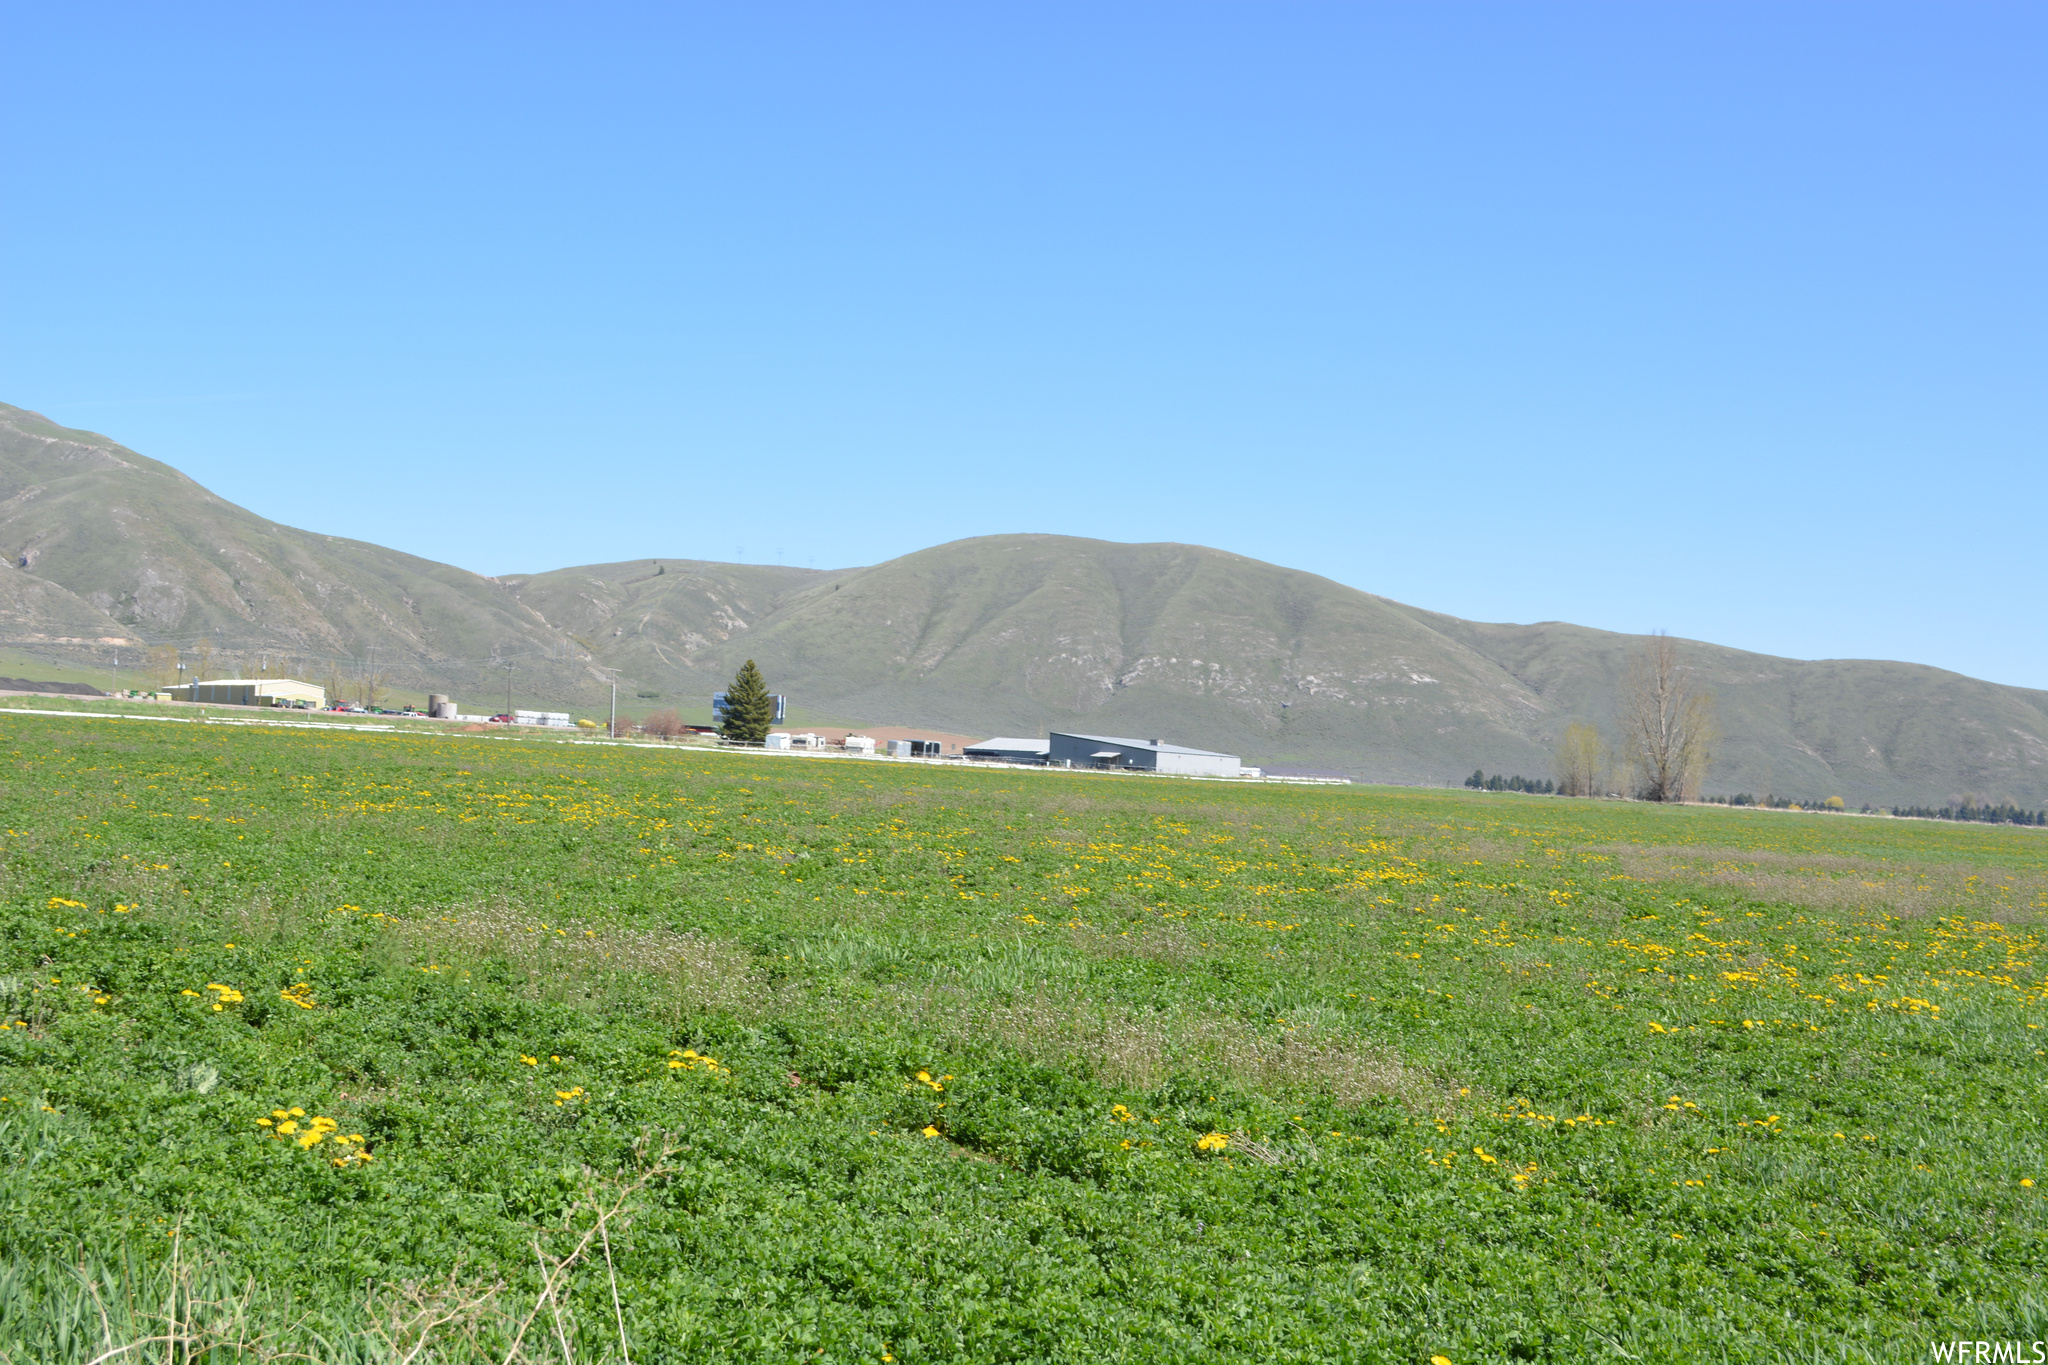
[(117, 670), (613, 733), (508, 694)]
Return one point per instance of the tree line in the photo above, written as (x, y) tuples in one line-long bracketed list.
[(2003, 814), (1479, 781), (1769, 802)]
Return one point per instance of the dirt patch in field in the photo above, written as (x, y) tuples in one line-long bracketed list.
[(1142, 1049)]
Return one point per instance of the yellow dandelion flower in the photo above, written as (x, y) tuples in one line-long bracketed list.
[(930, 1131), (288, 1127), (1439, 1360), (1212, 1142)]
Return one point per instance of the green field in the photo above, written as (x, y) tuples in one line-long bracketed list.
[(863, 1061)]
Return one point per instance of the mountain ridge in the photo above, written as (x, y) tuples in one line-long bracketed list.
[(1017, 634)]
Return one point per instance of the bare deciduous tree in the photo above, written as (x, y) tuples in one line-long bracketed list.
[(1580, 765), (1667, 723)]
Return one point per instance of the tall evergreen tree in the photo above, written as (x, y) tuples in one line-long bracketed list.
[(749, 710)]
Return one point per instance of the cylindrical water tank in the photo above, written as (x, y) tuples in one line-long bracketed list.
[(439, 707)]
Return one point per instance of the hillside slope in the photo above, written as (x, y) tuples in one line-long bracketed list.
[(1017, 634), (1020, 633), (1865, 729), (35, 611), (147, 547), (654, 619)]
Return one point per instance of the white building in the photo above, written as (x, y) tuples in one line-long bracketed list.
[(555, 720), (253, 692)]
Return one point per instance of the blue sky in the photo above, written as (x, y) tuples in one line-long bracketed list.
[(1724, 319)]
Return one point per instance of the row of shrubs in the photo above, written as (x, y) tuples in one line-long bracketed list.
[(1999, 814)]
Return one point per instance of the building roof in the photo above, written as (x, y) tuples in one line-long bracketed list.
[(1011, 744), (1154, 745)]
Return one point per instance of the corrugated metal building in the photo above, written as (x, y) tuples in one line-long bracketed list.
[(1143, 755)]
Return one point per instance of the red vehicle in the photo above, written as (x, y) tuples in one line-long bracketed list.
[(505, 719)]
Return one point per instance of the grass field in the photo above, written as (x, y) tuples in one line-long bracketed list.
[(358, 1045)]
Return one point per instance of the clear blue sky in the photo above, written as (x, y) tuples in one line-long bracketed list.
[(1726, 319)]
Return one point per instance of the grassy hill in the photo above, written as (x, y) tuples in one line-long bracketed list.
[(658, 621), (1862, 728), (134, 542), (1000, 634), (1015, 634)]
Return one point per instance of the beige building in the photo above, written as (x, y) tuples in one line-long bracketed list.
[(254, 692)]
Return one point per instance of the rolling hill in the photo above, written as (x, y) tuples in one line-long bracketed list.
[(1000, 634), (135, 549), (1015, 634)]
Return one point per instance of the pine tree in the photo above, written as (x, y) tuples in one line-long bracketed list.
[(749, 710)]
